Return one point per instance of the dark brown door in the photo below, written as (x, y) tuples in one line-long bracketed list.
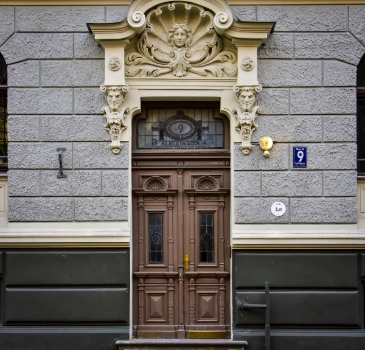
[(181, 223), (181, 253)]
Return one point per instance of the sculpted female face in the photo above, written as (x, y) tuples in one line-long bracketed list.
[(180, 35)]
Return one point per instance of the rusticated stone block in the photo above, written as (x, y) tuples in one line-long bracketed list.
[(305, 18), (101, 209), (89, 101), (287, 73), (23, 128), (337, 73), (244, 13), (6, 23), (74, 128), (57, 18), (247, 184), (38, 155), (23, 46), (258, 211), (323, 210), (274, 101), (23, 183), (292, 184), (40, 209), (24, 74), (86, 47), (278, 46), (289, 128), (278, 159), (340, 46), (77, 183), (323, 101), (40, 101), (116, 13), (340, 128), (329, 155), (115, 183), (340, 183), (98, 155), (73, 73), (356, 22)]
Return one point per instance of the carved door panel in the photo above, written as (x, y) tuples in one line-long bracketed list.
[(181, 253)]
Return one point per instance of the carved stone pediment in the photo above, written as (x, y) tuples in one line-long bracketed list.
[(180, 40)]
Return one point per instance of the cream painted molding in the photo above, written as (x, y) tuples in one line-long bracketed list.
[(127, 2), (342, 240)]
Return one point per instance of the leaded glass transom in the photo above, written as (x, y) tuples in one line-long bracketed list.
[(180, 129)]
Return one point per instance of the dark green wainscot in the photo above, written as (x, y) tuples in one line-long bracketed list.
[(64, 298), (316, 299)]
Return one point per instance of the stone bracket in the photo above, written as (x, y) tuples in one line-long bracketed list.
[(114, 114), (246, 114)]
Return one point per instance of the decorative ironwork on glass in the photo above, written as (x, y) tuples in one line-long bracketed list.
[(181, 129), (155, 227), (206, 237)]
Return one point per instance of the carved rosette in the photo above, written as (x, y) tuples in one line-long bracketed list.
[(246, 114), (114, 114), (180, 38)]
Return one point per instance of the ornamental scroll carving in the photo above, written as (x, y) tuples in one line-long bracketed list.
[(114, 114), (246, 114), (180, 39)]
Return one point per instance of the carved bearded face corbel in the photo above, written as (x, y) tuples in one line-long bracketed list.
[(246, 98), (115, 98)]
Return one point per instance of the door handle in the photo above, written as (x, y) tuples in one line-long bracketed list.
[(186, 261)]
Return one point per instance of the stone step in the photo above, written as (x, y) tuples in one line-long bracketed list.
[(181, 344)]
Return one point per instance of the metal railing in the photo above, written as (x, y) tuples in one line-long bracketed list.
[(265, 306)]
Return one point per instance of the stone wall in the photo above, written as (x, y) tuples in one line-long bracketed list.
[(307, 69), (55, 71), (308, 74)]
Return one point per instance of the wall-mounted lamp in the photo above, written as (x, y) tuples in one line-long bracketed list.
[(266, 143)]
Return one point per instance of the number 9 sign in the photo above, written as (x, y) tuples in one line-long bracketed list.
[(299, 157)]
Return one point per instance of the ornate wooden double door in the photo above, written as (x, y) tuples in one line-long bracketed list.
[(181, 252)]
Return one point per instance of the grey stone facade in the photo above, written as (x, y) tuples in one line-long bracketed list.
[(308, 73), (55, 69)]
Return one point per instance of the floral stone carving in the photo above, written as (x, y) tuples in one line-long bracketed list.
[(247, 64), (179, 38), (246, 114), (114, 114)]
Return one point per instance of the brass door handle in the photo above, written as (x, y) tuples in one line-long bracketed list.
[(186, 261)]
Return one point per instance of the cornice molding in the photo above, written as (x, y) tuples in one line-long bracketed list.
[(127, 2)]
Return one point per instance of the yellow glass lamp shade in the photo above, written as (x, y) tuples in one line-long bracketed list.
[(266, 143)]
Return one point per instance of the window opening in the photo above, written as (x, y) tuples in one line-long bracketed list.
[(206, 237), (155, 229), (3, 115), (180, 129)]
